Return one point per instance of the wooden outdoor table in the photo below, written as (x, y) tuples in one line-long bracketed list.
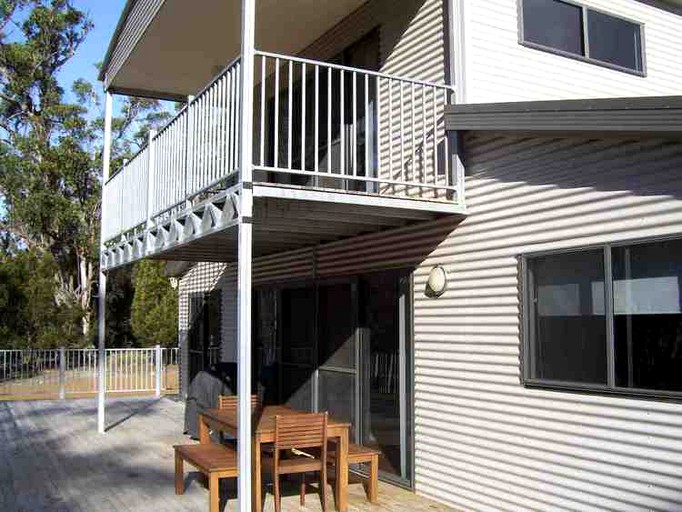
[(264, 432)]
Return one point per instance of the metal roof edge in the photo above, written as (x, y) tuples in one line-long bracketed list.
[(114, 38)]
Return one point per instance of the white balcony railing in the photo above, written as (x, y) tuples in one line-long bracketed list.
[(195, 151), (332, 126), (316, 125)]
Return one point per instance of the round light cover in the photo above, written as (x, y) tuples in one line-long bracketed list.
[(437, 282)]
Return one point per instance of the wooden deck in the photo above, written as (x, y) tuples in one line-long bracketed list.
[(52, 459)]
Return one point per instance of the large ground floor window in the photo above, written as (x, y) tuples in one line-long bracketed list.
[(342, 346), (607, 318)]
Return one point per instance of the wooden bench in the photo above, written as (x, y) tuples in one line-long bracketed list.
[(213, 460), (358, 454)]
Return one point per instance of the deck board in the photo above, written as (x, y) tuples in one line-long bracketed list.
[(52, 459)]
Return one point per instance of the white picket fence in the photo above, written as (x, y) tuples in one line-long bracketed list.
[(50, 373)]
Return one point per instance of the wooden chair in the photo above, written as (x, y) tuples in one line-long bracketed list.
[(215, 461), (230, 402), (358, 454), (297, 432)]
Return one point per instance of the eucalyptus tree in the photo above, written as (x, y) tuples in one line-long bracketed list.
[(51, 146)]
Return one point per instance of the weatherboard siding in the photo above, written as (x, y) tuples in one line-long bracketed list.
[(484, 442), (499, 69)]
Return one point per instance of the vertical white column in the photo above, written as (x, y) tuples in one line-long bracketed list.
[(456, 78), (62, 373), (159, 369), (245, 252), (101, 331), (151, 176)]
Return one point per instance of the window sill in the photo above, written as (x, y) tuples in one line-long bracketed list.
[(592, 389)]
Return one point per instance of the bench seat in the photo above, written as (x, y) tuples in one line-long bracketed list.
[(358, 454), (213, 460)]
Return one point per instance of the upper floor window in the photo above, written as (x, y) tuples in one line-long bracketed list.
[(584, 33), (608, 318)]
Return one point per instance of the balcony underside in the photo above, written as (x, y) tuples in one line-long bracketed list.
[(199, 39), (285, 218)]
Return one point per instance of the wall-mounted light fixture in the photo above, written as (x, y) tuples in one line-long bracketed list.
[(173, 282), (437, 283)]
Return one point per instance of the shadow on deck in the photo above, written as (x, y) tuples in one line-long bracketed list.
[(52, 459)]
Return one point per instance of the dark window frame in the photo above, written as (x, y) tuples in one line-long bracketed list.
[(526, 317), (586, 40)]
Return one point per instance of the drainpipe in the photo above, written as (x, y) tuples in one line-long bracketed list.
[(456, 76)]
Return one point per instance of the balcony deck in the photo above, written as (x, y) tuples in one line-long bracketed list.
[(52, 459), (338, 152)]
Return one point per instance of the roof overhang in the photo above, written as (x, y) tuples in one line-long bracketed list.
[(642, 115), (169, 49)]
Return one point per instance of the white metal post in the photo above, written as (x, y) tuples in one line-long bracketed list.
[(151, 176), (189, 132), (101, 331), (159, 368), (245, 252), (62, 373)]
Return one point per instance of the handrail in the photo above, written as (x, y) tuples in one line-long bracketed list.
[(213, 80), (354, 70), (217, 77), (127, 162), (182, 111)]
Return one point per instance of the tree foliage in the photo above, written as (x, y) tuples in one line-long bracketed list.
[(51, 152), (29, 316), (155, 306)]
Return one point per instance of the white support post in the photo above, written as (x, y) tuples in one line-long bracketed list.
[(151, 176), (102, 298), (62, 373), (457, 164), (189, 134), (159, 368), (245, 240)]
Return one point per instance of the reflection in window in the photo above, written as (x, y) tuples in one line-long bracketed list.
[(569, 328), (575, 30), (647, 316), (572, 324)]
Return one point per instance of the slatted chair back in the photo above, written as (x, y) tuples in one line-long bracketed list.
[(232, 401), (299, 431)]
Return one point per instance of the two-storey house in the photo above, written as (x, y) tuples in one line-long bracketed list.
[(456, 224)]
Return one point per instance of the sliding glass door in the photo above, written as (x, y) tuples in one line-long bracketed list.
[(337, 343), (343, 346), (385, 359)]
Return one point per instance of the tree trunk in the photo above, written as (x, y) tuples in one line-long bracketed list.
[(86, 280)]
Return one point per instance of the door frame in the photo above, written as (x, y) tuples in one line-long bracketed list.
[(405, 354)]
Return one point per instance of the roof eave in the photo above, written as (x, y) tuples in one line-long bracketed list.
[(114, 39), (653, 115)]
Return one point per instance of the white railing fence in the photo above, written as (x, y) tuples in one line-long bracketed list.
[(194, 152), (73, 372), (332, 126)]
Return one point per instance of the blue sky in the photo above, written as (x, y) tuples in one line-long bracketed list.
[(104, 15)]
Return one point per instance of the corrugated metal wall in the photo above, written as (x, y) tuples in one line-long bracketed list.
[(412, 41), (412, 37), (484, 442), (498, 68), (140, 16)]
